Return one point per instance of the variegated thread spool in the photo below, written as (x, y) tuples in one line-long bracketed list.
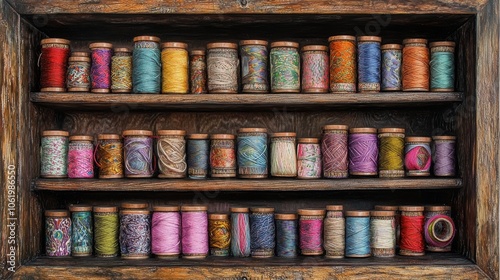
[(342, 63), (284, 60), (254, 66), (78, 74), (121, 71), (315, 69), (222, 67), (171, 149), (222, 156)]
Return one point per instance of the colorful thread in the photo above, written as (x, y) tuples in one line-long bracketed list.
[(80, 158), (334, 150), (109, 156), (391, 152), (252, 153), (222, 156), (146, 66), (121, 71), (198, 156), (175, 61), (222, 68), (363, 153), (106, 231), (166, 233), (417, 157), (171, 151), (412, 235), (262, 233), (138, 155), (198, 72), (369, 58), (240, 233), (78, 74), (82, 233), (194, 234), (54, 155), (415, 69), (100, 70), (311, 232), (334, 233), (219, 232), (135, 234), (286, 237), (315, 69), (308, 159), (254, 66), (391, 67), (439, 231), (284, 67), (442, 66), (357, 237), (53, 63), (58, 235), (283, 155), (342, 64), (444, 156)]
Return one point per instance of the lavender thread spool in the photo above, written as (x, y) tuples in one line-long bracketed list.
[(138, 153), (439, 228), (391, 67), (363, 151), (444, 156)]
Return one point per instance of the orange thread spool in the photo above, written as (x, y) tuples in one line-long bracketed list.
[(415, 70), (342, 63)]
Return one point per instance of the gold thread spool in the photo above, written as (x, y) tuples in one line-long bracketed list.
[(391, 152), (175, 73), (109, 156), (219, 231), (121, 71)]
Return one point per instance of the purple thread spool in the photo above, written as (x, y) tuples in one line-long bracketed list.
[(439, 229), (444, 156), (138, 153), (363, 151), (57, 233), (101, 67)]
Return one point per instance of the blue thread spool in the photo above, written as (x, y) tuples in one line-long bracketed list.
[(391, 67), (146, 66), (82, 230), (357, 234), (198, 153), (286, 235), (369, 58), (442, 66), (252, 153), (262, 232), (254, 74)]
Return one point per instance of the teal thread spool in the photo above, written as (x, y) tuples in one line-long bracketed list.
[(252, 153), (442, 66), (146, 65), (357, 234), (82, 230)]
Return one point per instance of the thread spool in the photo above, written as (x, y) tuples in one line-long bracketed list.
[(166, 232), (171, 148), (284, 61), (138, 153), (417, 156), (100, 70), (391, 152), (334, 232), (54, 154), (121, 70), (135, 234), (357, 234), (78, 74), (334, 150), (439, 228), (369, 60), (415, 65), (363, 151), (175, 67), (106, 231), (82, 233), (308, 158), (222, 67), (194, 232), (240, 232), (219, 231), (262, 232), (391, 67), (222, 156), (444, 156), (254, 66), (146, 65), (311, 231), (286, 235), (252, 153), (53, 64), (342, 63), (397, 219), (80, 157), (109, 156), (383, 233), (442, 66), (57, 233), (412, 231), (198, 72), (315, 69), (198, 155), (283, 154)]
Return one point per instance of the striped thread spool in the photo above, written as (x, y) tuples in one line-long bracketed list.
[(443, 156), (54, 154), (101, 67), (369, 60), (415, 66), (283, 154), (240, 232), (109, 156), (439, 228), (171, 149), (417, 156), (175, 67), (342, 63), (198, 155), (198, 72), (391, 67), (82, 233), (334, 149), (311, 231), (138, 153), (357, 234), (121, 70), (363, 151), (391, 152), (252, 153), (262, 232), (222, 156), (286, 235), (412, 231), (166, 232), (81, 157), (334, 232), (78, 74), (57, 233), (146, 65), (219, 231), (284, 61), (383, 233), (254, 64), (106, 231), (222, 67), (315, 69), (308, 158), (53, 64), (442, 66)]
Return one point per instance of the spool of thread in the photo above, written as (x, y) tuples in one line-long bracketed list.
[(194, 232), (286, 235), (219, 231), (334, 232), (175, 67), (444, 156), (391, 152), (135, 234), (109, 156), (54, 154), (397, 219), (439, 228), (252, 153), (240, 232), (222, 156), (53, 64), (335, 151), (315, 69), (442, 66), (138, 153), (222, 67), (412, 231), (357, 234), (198, 72), (198, 155), (106, 231), (383, 233), (78, 74), (57, 233), (262, 232), (254, 66), (415, 69), (121, 70), (417, 156), (308, 158), (100, 70), (146, 65), (363, 151), (342, 63), (283, 154), (369, 60), (171, 148), (82, 233), (285, 67), (81, 157), (311, 231), (391, 67), (166, 232)]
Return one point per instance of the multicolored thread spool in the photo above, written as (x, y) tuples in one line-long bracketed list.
[(262, 232), (54, 154), (286, 235), (198, 155), (240, 232), (439, 228), (175, 67), (363, 151), (357, 234), (53, 64), (194, 232), (222, 67), (391, 67), (284, 60), (219, 231), (82, 233), (443, 156), (166, 232), (254, 63), (109, 156), (135, 233), (81, 157), (342, 63), (198, 72), (369, 60), (391, 152), (100, 70), (106, 231), (308, 158), (78, 74), (222, 156), (334, 232), (418, 156), (121, 70), (171, 149), (383, 233), (311, 231), (415, 66), (442, 66), (146, 65), (334, 151), (138, 153), (397, 219), (283, 154), (412, 231), (252, 153), (315, 69), (57, 233)]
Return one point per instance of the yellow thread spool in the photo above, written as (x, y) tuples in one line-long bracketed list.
[(175, 63)]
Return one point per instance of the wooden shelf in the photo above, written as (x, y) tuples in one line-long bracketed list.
[(182, 185), (218, 102)]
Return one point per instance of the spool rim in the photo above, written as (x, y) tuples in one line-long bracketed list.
[(357, 213), (262, 210), (415, 41), (239, 209), (369, 39), (166, 208), (55, 41), (254, 42), (80, 54), (341, 37), (197, 52), (283, 134), (386, 207), (391, 130), (218, 216), (418, 139), (105, 209), (108, 137), (134, 205), (334, 207), (288, 44), (442, 44), (134, 211), (81, 138), (222, 45), (314, 48), (122, 50), (198, 136), (222, 136), (311, 212), (80, 208), (335, 127), (193, 208), (252, 129), (382, 213), (433, 208), (449, 233), (55, 133), (411, 208), (99, 45), (369, 130), (147, 38), (176, 45), (285, 216), (175, 132), (79, 59), (309, 140), (444, 137), (56, 213), (137, 132), (391, 47)]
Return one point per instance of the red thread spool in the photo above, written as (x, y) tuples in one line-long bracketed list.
[(412, 231), (53, 64)]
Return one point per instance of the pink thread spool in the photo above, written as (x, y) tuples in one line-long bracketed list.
[(335, 151), (311, 231), (101, 67), (166, 232), (308, 158), (81, 157), (194, 231), (418, 156), (363, 151), (315, 69), (439, 228), (57, 233)]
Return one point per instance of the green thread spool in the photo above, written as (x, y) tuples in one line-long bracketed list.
[(285, 67), (391, 152), (106, 225), (442, 66)]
